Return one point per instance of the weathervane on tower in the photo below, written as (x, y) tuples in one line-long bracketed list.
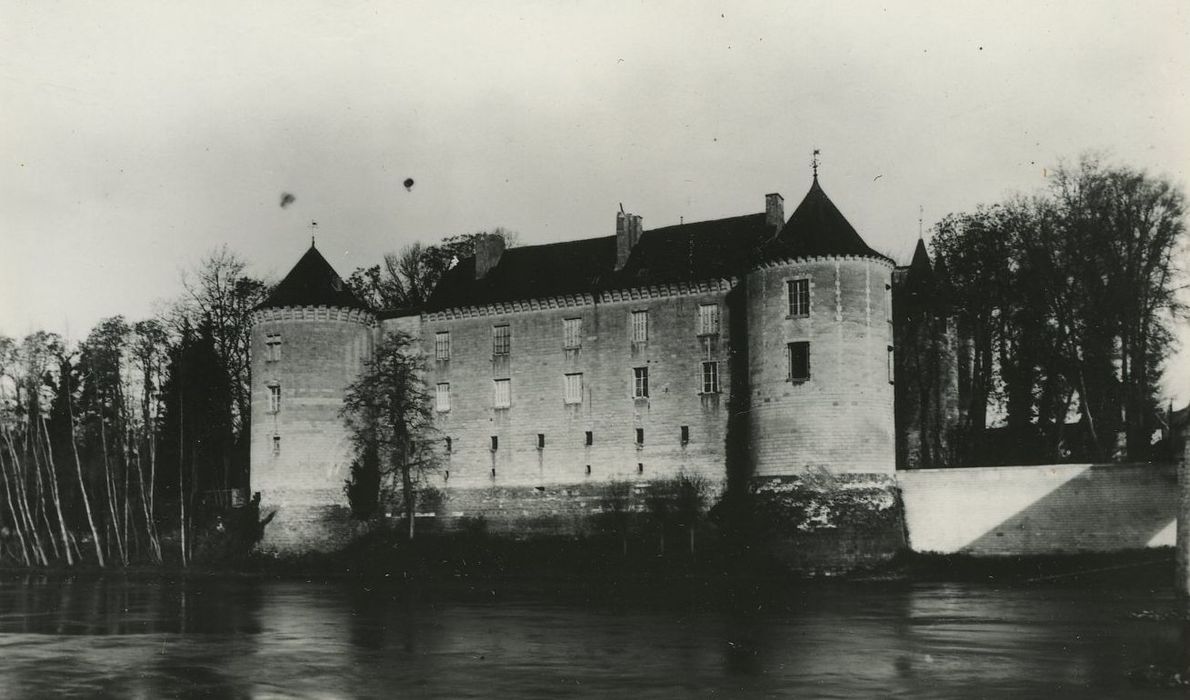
[(814, 162)]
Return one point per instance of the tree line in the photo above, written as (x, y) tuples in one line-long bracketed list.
[(1065, 302), (117, 448)]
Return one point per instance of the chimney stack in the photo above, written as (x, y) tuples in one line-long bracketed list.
[(628, 231), (774, 211), (488, 250)]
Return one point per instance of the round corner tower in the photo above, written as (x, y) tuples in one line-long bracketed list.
[(820, 346), (309, 339)]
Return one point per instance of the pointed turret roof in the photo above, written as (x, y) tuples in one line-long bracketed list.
[(817, 228), (920, 266), (313, 282)]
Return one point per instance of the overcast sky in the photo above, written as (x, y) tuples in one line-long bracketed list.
[(135, 137)]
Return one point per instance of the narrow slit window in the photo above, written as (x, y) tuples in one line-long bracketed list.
[(640, 437), (495, 445), (685, 434), (892, 368), (590, 438), (276, 445), (541, 441), (450, 445)]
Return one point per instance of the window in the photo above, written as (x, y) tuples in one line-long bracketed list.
[(799, 361), (799, 297), (588, 470), (495, 446), (891, 365), (503, 393), (640, 467), (888, 306), (573, 389), (590, 438), (685, 434), (275, 398), (708, 319), (640, 437), (442, 398), (272, 348), (501, 340), (640, 326), (276, 445), (710, 377), (449, 444), (541, 441), (442, 345), (572, 332), (640, 383)]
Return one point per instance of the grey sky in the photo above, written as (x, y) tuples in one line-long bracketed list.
[(137, 136)]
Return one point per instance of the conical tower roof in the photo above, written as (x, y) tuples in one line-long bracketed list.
[(818, 229), (313, 282)]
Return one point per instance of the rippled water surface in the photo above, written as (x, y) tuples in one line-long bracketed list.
[(250, 638)]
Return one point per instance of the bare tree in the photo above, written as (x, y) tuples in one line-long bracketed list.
[(387, 411)]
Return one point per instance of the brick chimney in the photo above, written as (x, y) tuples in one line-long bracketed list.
[(774, 210), (488, 250), (628, 230)]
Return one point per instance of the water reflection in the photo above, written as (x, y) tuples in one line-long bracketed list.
[(256, 638)]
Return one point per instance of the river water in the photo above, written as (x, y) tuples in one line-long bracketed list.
[(261, 638)]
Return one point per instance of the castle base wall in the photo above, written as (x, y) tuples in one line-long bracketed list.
[(824, 522), (304, 522), (1039, 510)]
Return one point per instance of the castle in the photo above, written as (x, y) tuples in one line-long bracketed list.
[(752, 345)]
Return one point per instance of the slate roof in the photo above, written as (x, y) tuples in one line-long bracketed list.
[(817, 228), (686, 253), (703, 250), (312, 282)]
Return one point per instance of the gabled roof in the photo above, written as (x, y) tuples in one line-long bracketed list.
[(817, 229), (312, 282), (691, 252)]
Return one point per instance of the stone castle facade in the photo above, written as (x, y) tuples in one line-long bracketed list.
[(755, 347)]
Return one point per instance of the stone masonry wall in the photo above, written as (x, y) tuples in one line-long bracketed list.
[(1050, 509), (536, 365), (300, 476), (840, 419)]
